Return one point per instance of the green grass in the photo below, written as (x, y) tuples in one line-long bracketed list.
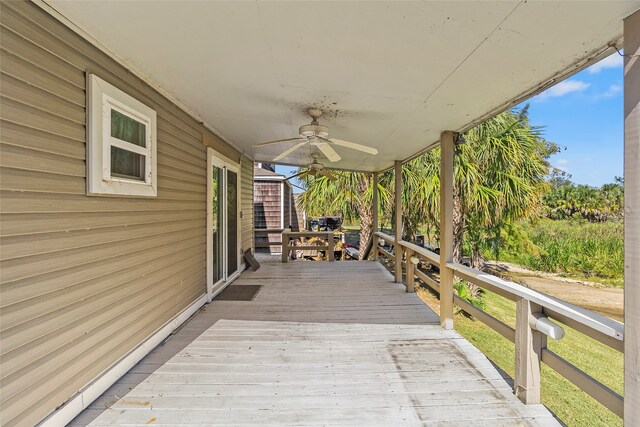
[(576, 248), (570, 404)]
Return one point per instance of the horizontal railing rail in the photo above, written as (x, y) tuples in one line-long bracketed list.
[(601, 328), (533, 327), (268, 230)]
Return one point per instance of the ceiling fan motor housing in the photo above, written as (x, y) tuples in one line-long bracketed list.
[(309, 131), (315, 166)]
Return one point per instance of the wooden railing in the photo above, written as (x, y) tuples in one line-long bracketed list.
[(328, 245), (389, 239), (533, 325)]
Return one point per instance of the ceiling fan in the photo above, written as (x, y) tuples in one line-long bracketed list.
[(317, 135), (315, 169)]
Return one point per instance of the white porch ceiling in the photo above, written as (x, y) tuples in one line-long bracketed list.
[(390, 75)]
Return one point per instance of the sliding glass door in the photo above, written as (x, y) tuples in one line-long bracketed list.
[(223, 231)]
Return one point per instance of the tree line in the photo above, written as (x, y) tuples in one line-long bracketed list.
[(594, 204)]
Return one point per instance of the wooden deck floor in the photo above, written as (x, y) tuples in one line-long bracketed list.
[(262, 257), (320, 344)]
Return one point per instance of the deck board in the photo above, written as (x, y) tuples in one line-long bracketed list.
[(321, 344)]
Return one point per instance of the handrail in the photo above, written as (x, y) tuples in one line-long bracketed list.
[(308, 233), (268, 230), (432, 257), (389, 239), (532, 325), (598, 322), (385, 237)]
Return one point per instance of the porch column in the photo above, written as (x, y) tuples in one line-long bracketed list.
[(446, 229), (398, 225), (375, 207), (632, 219), (282, 204), (290, 207)]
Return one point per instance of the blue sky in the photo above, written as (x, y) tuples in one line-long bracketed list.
[(583, 115)]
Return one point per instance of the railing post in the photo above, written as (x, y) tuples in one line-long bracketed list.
[(529, 345), (446, 229), (398, 224), (330, 246), (632, 219), (411, 270), (285, 246), (374, 238)]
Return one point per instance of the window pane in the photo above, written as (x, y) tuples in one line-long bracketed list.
[(126, 164), (217, 187), (127, 129)]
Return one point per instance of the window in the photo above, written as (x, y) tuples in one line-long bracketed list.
[(122, 143)]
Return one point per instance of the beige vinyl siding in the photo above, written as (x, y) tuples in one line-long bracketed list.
[(84, 279), (211, 140), (246, 200)]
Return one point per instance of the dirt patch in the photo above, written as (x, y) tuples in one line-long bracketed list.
[(589, 295)]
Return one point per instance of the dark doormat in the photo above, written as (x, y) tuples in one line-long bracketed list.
[(239, 293)]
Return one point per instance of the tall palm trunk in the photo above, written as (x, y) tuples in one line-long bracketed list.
[(365, 212), (458, 224)]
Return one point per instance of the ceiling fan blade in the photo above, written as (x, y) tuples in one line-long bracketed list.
[(329, 152), (278, 141), (328, 174), (290, 150), (354, 146), (296, 175)]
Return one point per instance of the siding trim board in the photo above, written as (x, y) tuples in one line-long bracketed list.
[(84, 397), (89, 285)]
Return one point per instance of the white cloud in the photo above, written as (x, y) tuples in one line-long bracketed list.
[(563, 88), (563, 162), (611, 91), (612, 61)]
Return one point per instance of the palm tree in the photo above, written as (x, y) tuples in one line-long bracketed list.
[(500, 173), (499, 177), (350, 196)]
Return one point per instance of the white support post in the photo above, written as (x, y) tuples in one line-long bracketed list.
[(632, 219), (529, 345), (446, 229), (375, 207), (398, 224)]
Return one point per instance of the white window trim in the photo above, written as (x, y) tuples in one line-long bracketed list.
[(102, 98)]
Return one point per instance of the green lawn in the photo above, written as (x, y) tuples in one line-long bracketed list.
[(575, 248), (569, 403)]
